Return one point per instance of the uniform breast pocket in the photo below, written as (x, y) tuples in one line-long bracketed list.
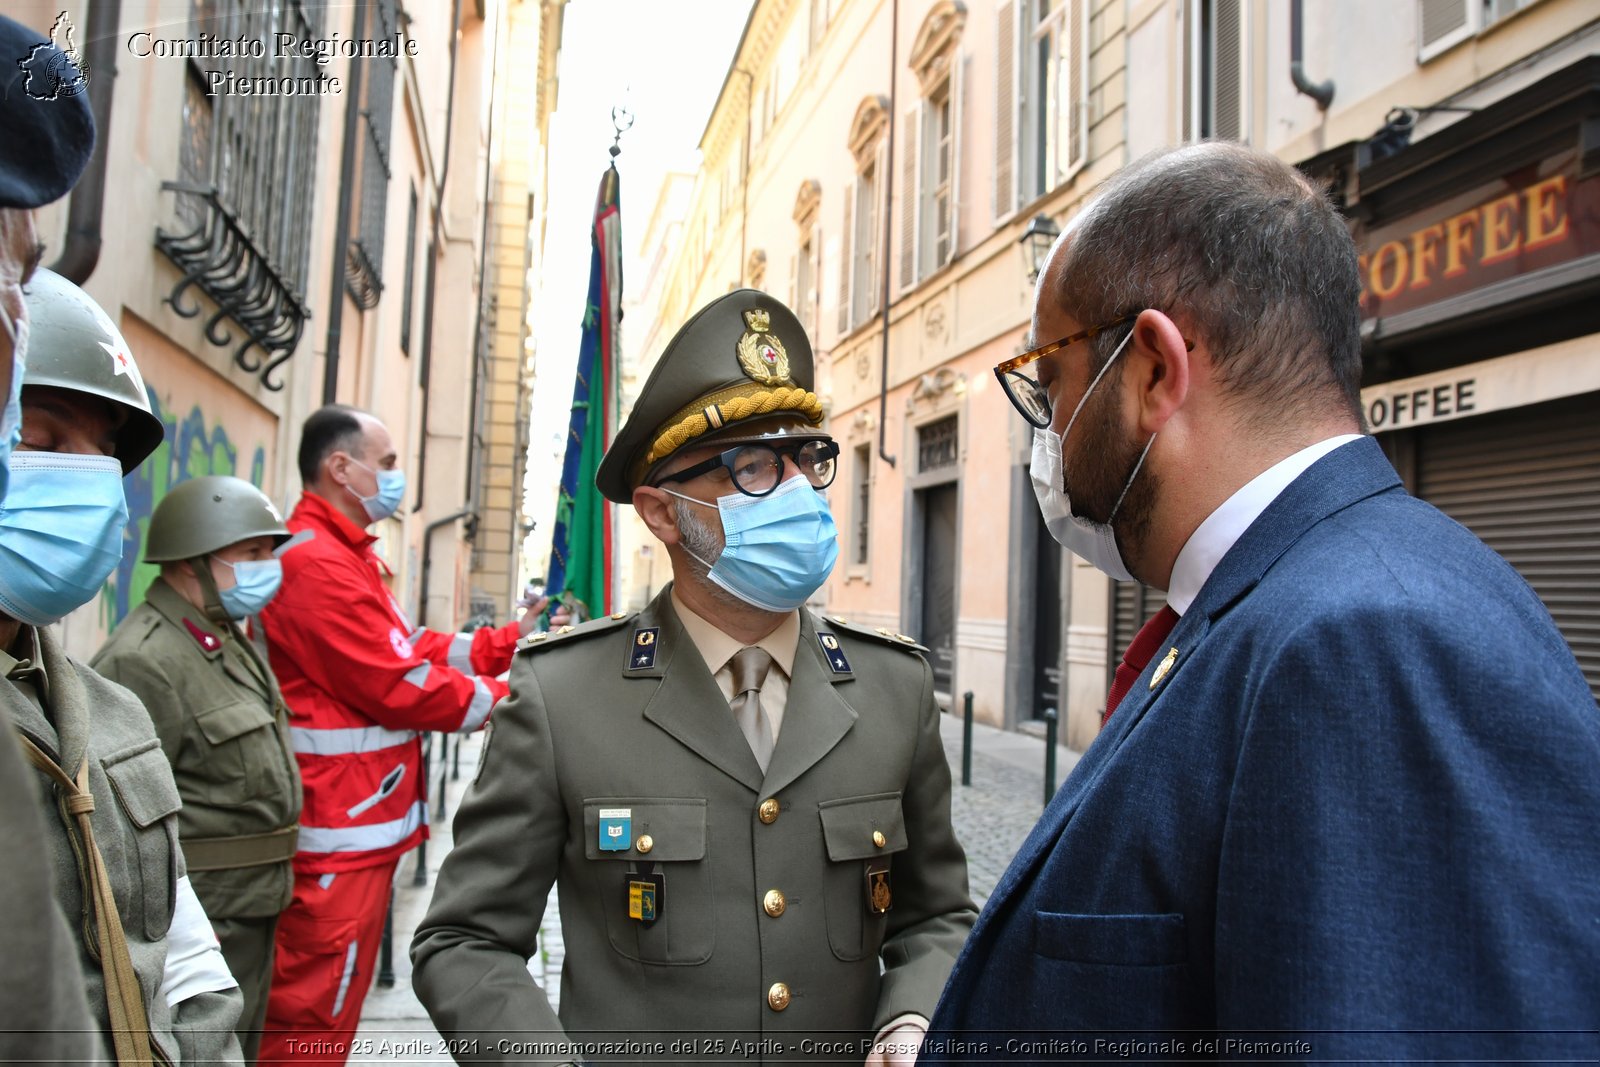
[(142, 781), (1128, 971), (242, 753), (632, 842), (861, 834)]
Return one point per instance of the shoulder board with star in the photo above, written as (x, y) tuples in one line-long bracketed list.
[(874, 633), (565, 634)]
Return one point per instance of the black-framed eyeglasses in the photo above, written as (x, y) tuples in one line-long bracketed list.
[(1030, 398), (757, 469)]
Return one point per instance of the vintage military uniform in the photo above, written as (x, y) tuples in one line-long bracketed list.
[(224, 729), (135, 824), (711, 910)]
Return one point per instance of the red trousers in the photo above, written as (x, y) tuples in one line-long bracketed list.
[(327, 944)]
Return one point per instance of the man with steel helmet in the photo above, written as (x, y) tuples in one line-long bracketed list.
[(222, 722), (47, 143), (747, 805), (157, 981)]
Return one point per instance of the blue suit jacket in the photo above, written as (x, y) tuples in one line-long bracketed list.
[(1359, 811)]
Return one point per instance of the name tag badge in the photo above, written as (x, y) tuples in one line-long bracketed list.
[(616, 829)]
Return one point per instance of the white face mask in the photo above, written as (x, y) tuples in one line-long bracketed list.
[(1094, 541)]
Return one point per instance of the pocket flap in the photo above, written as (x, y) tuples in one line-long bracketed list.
[(676, 828), (232, 720), (848, 826), (142, 779), (1127, 940)]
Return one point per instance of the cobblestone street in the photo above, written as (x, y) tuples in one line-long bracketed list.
[(992, 816)]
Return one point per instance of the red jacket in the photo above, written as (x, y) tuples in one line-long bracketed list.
[(360, 682)]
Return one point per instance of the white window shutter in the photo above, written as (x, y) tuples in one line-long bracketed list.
[(878, 264), (847, 265), (1075, 88), (813, 299), (957, 83), (910, 198), (1228, 63), (794, 284), (1005, 111), (1443, 24)]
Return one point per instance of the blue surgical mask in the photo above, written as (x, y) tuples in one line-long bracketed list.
[(778, 549), (255, 583), (391, 490), (60, 533), (11, 420)]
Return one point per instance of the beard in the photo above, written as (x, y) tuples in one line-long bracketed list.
[(1106, 459), (702, 545)]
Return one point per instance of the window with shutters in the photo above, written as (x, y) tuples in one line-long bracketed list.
[(406, 292), (1215, 86), (363, 272), (860, 282), (1041, 99), (1443, 24), (929, 201), (861, 498), (806, 296)]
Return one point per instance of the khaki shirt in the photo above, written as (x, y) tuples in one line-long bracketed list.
[(222, 726), (717, 649)]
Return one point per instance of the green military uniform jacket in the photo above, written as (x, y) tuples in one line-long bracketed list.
[(624, 715), (217, 711), (136, 827)]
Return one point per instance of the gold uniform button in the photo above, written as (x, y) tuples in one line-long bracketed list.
[(778, 996), (645, 843), (774, 902), (878, 838), (768, 811)]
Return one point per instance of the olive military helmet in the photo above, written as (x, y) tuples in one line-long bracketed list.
[(73, 345), (204, 515)]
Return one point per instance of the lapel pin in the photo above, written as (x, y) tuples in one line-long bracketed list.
[(1163, 667)]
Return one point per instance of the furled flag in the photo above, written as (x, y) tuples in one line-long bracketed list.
[(580, 555)]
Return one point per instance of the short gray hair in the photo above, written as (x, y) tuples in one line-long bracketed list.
[(1241, 249)]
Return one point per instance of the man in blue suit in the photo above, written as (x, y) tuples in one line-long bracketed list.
[(1348, 804)]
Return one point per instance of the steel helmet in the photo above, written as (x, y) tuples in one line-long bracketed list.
[(204, 515), (74, 345)]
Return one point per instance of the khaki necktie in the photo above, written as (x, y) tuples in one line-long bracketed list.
[(750, 666)]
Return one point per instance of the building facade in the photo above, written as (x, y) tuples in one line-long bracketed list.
[(297, 221), (881, 174)]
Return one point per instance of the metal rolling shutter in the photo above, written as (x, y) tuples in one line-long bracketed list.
[(1528, 483), (1132, 605)]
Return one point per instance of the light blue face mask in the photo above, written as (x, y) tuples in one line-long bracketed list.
[(391, 490), (255, 583), (778, 549), (60, 533), (11, 420)]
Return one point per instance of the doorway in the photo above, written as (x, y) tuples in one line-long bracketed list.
[(938, 580)]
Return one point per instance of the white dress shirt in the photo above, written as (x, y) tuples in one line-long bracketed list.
[(1213, 538)]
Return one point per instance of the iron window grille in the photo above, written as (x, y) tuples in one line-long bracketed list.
[(936, 445), (363, 271), (246, 167)]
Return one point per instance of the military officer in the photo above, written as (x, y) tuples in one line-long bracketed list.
[(222, 723), (746, 806), (157, 981)]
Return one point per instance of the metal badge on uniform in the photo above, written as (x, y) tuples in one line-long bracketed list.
[(642, 654), (646, 894), (834, 654), (1163, 667), (616, 829), (879, 898)]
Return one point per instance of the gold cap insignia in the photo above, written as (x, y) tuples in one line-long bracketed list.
[(761, 354)]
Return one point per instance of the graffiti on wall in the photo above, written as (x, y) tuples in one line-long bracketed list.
[(190, 449)]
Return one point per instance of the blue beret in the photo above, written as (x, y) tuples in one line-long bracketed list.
[(44, 113)]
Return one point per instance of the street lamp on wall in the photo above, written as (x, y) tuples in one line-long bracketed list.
[(1036, 242)]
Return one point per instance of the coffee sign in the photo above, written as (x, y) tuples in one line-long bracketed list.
[(1536, 217)]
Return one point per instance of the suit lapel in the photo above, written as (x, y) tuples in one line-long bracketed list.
[(1341, 478), (815, 717), (684, 699)]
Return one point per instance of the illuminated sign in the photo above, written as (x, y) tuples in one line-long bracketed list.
[(1538, 216)]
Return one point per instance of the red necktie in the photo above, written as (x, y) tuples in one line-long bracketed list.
[(1151, 636)]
